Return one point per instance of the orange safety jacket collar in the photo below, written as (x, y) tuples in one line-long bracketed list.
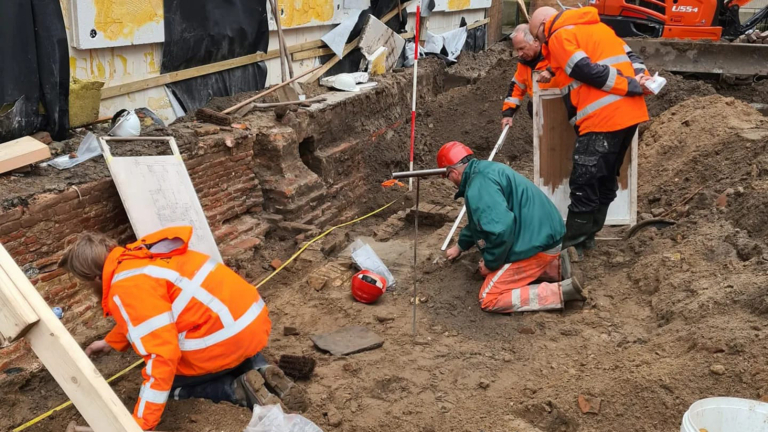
[(584, 15), (140, 250)]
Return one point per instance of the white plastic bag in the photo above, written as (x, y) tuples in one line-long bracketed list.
[(88, 148), (271, 418), (365, 257)]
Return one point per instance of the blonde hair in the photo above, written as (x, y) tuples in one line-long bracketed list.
[(86, 257)]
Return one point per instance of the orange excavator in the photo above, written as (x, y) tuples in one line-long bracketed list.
[(681, 19), (676, 35)]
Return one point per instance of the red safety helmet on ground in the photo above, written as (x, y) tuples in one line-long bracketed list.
[(451, 153), (367, 286)]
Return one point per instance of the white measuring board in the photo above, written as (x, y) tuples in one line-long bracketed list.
[(157, 193)]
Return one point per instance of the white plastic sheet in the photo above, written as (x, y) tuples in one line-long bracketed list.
[(365, 258), (271, 418), (88, 148)]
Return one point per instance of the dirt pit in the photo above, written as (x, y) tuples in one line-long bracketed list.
[(674, 315)]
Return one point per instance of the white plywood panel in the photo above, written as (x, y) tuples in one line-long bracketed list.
[(114, 23), (553, 141), (157, 193)]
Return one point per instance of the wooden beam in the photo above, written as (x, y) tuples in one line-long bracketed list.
[(16, 315), (171, 77), (66, 362), (20, 152), (478, 23), (303, 55)]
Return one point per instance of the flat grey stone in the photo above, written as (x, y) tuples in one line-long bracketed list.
[(348, 340)]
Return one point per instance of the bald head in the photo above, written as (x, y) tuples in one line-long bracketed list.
[(540, 16)]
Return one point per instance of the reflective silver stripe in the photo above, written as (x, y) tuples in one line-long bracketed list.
[(611, 80), (519, 84), (639, 66), (610, 61), (227, 332), (136, 341), (627, 48), (516, 300), (594, 106), (153, 396), (152, 324), (578, 55), (149, 364), (533, 297), (512, 100), (493, 281), (189, 288)]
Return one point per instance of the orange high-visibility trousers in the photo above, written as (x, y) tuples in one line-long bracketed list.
[(510, 288)]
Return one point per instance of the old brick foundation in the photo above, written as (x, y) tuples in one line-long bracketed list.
[(305, 168)]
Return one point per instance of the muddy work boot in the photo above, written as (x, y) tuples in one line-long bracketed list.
[(578, 228), (250, 390), (293, 396), (597, 225), (572, 290)]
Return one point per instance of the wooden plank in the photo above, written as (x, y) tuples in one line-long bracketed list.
[(143, 84), (67, 363), (479, 23), (20, 152), (171, 77), (493, 33), (303, 55), (16, 315)]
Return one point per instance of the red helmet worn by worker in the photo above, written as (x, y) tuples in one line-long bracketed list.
[(451, 153), (367, 286)]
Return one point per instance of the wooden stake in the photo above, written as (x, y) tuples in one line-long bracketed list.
[(64, 359)]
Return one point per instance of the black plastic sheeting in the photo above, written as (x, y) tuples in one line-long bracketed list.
[(35, 69), (475, 39), (200, 32)]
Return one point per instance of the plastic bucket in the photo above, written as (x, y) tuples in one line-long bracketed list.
[(725, 414)]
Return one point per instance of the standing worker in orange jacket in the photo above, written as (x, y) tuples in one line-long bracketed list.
[(528, 50), (602, 82), (197, 324)]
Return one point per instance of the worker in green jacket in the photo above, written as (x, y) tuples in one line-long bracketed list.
[(518, 230)]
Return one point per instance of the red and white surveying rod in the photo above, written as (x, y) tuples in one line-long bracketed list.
[(413, 99)]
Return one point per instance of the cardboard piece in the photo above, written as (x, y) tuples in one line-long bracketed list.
[(375, 35), (348, 340)]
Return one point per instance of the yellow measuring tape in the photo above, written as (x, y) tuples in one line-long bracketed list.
[(293, 257)]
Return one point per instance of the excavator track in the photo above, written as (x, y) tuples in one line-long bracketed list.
[(708, 57)]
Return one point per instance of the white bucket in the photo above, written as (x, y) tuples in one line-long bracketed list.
[(725, 414)]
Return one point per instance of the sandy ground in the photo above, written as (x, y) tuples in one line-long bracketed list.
[(674, 315)]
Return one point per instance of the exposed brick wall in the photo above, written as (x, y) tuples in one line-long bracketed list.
[(238, 175), (37, 235)]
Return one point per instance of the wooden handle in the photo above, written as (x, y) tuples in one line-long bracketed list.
[(266, 92)]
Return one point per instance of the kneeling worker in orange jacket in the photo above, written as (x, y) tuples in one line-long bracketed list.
[(601, 80), (197, 324)]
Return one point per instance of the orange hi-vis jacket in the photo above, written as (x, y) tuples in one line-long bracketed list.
[(185, 313), (596, 71), (522, 84)]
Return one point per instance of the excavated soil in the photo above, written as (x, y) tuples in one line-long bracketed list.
[(674, 315)]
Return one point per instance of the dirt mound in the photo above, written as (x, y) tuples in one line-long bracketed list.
[(707, 144), (678, 89), (755, 93)]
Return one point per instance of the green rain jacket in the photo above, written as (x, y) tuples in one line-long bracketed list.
[(510, 219)]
